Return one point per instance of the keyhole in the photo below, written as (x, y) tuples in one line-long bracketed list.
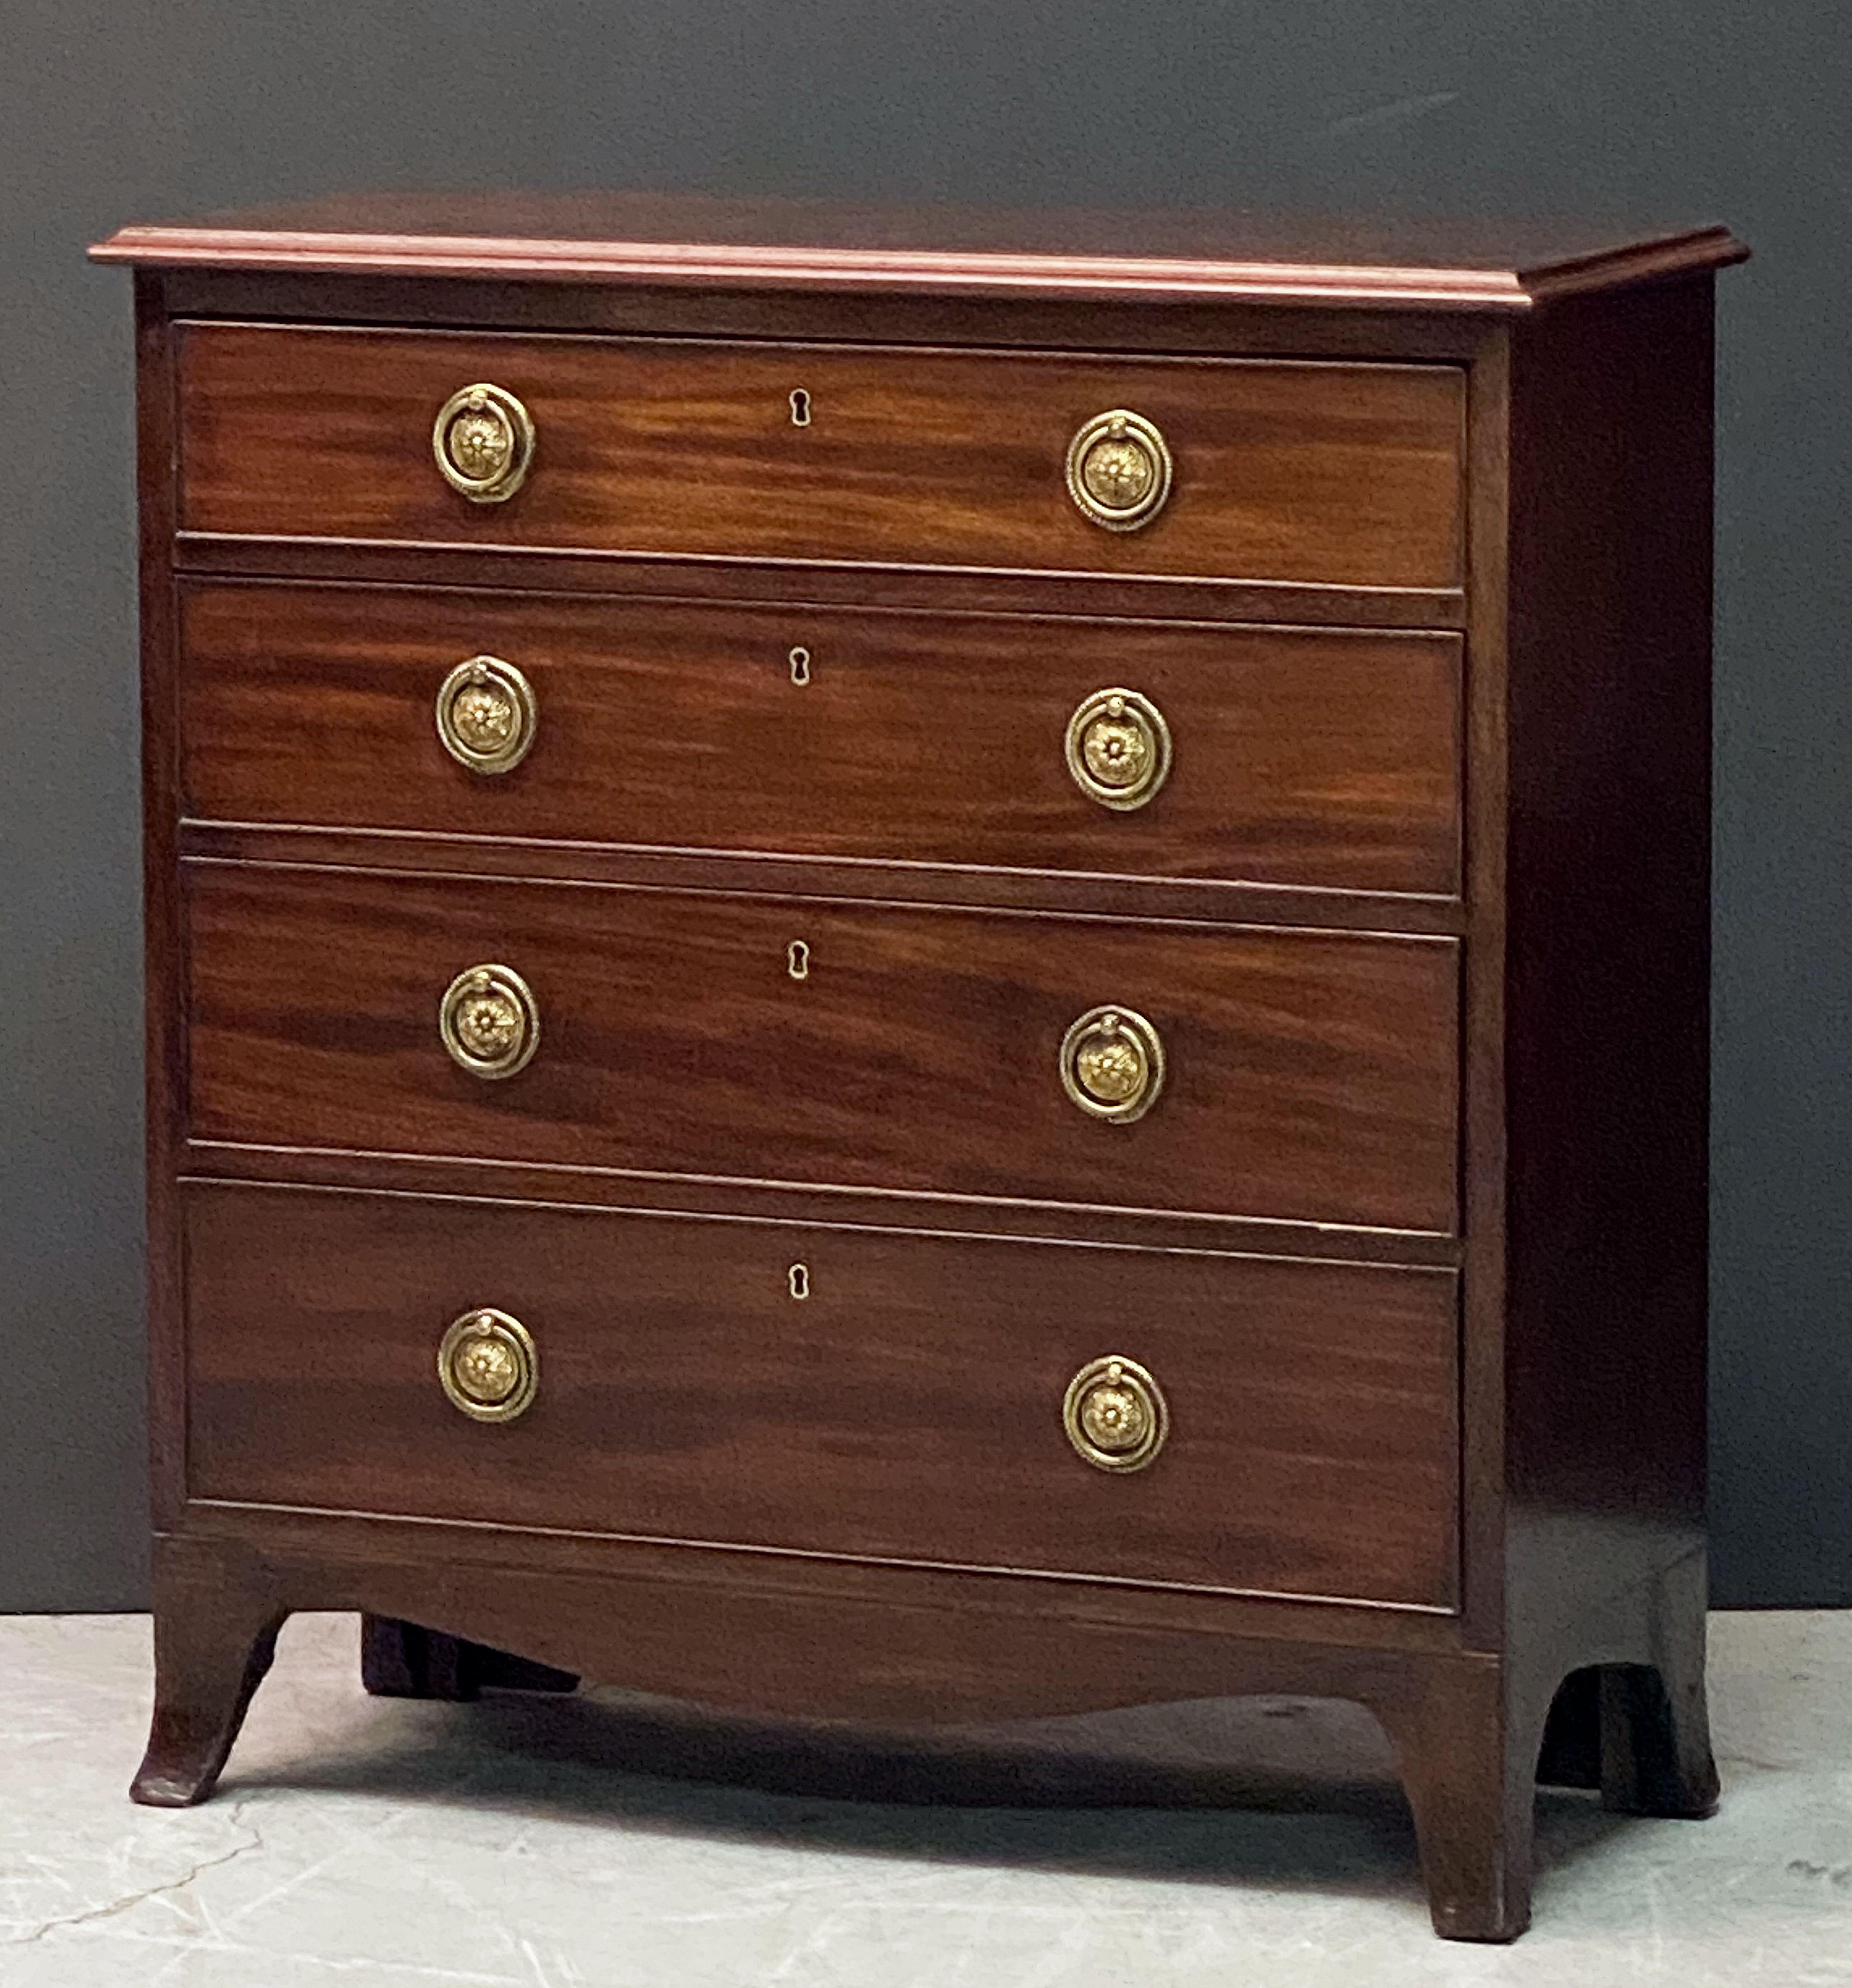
[(799, 1275), (800, 666), (797, 960), (800, 408)]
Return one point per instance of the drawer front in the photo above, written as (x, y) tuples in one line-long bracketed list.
[(1344, 474), (1307, 1075), (909, 1408), (1323, 757)]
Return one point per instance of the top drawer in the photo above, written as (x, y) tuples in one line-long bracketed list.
[(1332, 474)]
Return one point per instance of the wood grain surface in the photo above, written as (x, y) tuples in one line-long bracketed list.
[(1340, 474), (1422, 923), (814, 247), (909, 1408), (1311, 1075), (1301, 756), (1607, 960)]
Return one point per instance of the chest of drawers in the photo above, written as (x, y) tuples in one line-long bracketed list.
[(925, 967)]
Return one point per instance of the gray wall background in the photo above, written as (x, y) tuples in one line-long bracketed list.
[(112, 110)]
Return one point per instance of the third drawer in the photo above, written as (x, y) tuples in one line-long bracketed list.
[(1308, 1076)]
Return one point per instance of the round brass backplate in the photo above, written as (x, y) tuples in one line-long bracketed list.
[(1118, 748), (483, 439), (489, 1020), (1112, 1063), (1115, 1414), (487, 714), (1119, 470), (488, 1365)]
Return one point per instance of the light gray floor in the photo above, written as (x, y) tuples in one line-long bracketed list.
[(559, 1844)]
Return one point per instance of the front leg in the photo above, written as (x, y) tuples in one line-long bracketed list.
[(216, 1618), (1468, 1764)]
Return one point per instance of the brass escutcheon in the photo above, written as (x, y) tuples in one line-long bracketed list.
[(1119, 470), (483, 439), (1112, 1063), (1115, 1414), (488, 1365), (487, 714), (1118, 748), (489, 1021)]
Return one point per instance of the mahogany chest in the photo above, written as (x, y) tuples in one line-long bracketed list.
[(931, 965)]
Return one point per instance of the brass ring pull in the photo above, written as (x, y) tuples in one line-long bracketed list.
[(487, 714), (488, 1366), (483, 439), (1112, 1064), (1115, 1414), (1118, 748), (1119, 470), (489, 1021)]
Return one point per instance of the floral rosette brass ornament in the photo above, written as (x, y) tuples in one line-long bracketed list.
[(489, 1021), (488, 1365), (483, 440), (1115, 1414), (1119, 470), (1112, 1063), (487, 714)]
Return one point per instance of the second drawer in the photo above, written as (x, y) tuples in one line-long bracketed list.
[(1297, 1075), (1326, 757)]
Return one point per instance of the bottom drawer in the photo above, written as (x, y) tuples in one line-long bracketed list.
[(858, 1394)]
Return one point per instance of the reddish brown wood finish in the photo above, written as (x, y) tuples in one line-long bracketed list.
[(935, 1646), (1575, 558), (165, 1033), (1343, 474), (1311, 1075), (804, 583), (628, 239), (828, 1207), (1607, 961), (908, 1409), (1303, 756), (763, 873)]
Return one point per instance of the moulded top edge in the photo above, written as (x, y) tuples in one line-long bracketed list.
[(692, 241)]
